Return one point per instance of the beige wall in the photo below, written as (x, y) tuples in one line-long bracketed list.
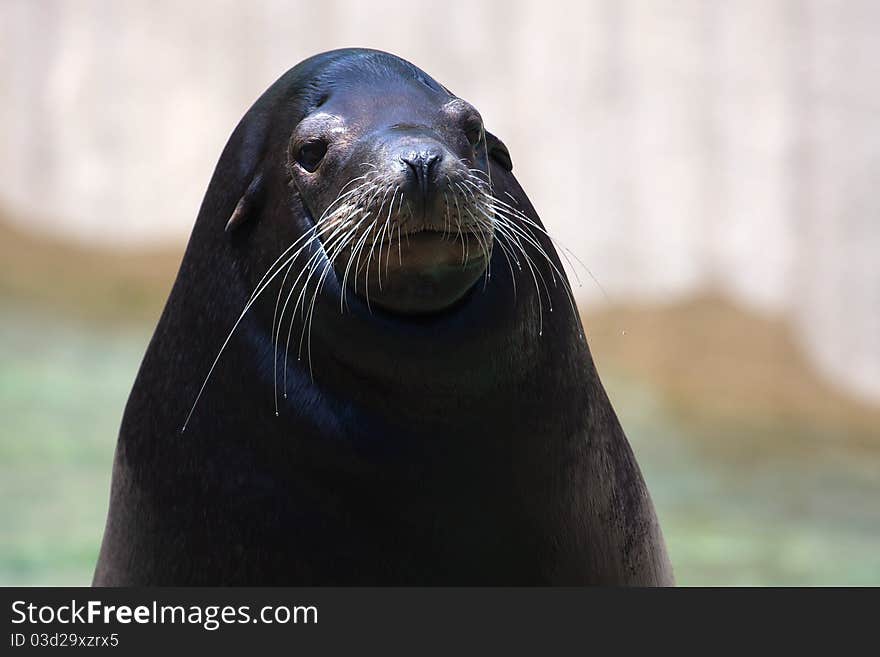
[(674, 145)]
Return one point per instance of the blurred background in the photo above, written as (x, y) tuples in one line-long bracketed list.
[(715, 164)]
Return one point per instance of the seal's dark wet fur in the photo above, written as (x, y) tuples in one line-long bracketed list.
[(467, 447)]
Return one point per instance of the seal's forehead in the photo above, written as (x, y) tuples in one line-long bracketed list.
[(376, 69), (360, 85), (363, 98)]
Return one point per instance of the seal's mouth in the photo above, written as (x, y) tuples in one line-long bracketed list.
[(418, 272), (406, 257), (461, 237)]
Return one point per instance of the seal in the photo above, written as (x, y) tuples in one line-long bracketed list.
[(370, 369)]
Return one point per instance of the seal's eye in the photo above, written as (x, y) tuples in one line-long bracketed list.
[(310, 154), (473, 130)]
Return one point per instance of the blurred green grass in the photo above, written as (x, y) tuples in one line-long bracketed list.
[(738, 510), (62, 390)]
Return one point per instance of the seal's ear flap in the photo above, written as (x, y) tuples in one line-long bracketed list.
[(246, 156), (248, 204), (498, 151)]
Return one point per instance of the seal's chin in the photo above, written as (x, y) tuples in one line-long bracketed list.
[(421, 273)]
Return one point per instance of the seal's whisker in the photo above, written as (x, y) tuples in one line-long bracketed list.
[(306, 314), (567, 253), (334, 205), (380, 238), (446, 208), (331, 236), (348, 265), (527, 220), (365, 176), (388, 234), (358, 248), (502, 225), (316, 235), (391, 232), (530, 239), (353, 251), (499, 239), (348, 230), (518, 234), (474, 202), (367, 270), (309, 232), (527, 234), (458, 226), (278, 298), (312, 234), (524, 233), (479, 172), (331, 255), (349, 236), (351, 260), (504, 209), (377, 235), (484, 223), (274, 336), (485, 246), (344, 231), (338, 208), (553, 268), (299, 276), (247, 307)]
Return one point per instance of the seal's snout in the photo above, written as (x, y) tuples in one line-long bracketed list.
[(423, 167), (421, 232)]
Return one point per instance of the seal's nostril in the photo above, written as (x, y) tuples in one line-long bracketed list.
[(422, 169), (414, 165)]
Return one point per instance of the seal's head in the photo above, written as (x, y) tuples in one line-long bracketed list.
[(382, 190), (393, 170)]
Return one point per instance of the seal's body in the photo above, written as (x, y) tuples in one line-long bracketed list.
[(424, 420)]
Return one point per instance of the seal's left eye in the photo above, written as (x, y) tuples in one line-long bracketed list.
[(311, 153), (474, 131)]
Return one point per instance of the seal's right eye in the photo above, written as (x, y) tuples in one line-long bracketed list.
[(310, 153)]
